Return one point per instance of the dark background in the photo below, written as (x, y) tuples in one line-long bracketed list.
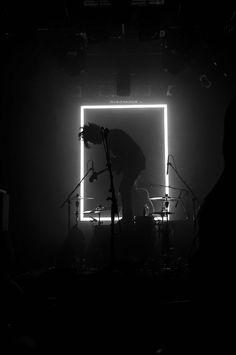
[(48, 70)]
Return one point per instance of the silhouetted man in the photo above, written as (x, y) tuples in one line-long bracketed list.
[(127, 158)]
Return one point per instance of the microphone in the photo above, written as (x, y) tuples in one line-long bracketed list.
[(166, 201), (168, 163), (93, 176)]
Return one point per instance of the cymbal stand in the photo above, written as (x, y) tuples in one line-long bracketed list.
[(165, 248), (99, 223), (68, 202), (99, 219), (77, 209), (194, 197)]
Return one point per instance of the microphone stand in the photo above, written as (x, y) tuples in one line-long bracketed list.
[(68, 201), (114, 206)]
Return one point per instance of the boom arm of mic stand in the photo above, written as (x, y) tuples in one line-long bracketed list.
[(67, 200), (70, 194)]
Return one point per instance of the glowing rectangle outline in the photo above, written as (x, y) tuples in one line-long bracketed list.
[(98, 107)]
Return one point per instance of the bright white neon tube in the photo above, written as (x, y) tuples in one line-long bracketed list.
[(126, 106)]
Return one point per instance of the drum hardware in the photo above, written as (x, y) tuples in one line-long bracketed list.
[(98, 210), (165, 202), (165, 198), (77, 199), (162, 213)]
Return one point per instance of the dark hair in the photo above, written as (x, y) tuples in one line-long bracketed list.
[(89, 133)]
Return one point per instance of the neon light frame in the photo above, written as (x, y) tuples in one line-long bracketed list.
[(99, 107)]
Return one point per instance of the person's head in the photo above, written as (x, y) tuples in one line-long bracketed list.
[(91, 133)]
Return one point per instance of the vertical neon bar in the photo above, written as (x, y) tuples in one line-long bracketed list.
[(166, 148), (81, 165)]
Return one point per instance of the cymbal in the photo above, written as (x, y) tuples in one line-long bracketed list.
[(156, 198), (98, 209), (164, 198), (76, 198)]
